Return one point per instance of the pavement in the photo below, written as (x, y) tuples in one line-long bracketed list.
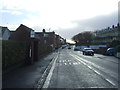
[(27, 76)]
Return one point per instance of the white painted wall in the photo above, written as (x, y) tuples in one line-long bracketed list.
[(91, 46), (6, 35)]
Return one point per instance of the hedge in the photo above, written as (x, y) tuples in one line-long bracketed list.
[(13, 52), (42, 49)]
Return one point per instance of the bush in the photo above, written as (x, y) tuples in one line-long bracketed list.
[(43, 49), (13, 52)]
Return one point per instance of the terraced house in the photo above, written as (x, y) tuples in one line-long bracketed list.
[(49, 38), (107, 36)]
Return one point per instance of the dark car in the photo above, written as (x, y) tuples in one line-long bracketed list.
[(69, 47), (111, 51), (88, 51)]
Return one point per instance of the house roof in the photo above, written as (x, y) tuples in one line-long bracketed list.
[(22, 33), (23, 27), (12, 32)]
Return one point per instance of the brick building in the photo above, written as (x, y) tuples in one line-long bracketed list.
[(24, 34), (48, 38)]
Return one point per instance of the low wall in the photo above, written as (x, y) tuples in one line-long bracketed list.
[(118, 54)]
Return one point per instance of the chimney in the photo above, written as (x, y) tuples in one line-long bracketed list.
[(118, 25), (44, 30), (53, 32), (113, 26)]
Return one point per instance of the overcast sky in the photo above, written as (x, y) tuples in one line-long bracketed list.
[(65, 17)]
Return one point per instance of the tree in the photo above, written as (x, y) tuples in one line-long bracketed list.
[(84, 38)]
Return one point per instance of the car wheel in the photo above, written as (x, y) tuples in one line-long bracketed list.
[(92, 54), (83, 53)]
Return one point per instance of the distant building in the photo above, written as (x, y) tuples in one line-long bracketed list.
[(58, 41), (48, 38), (4, 33), (106, 36)]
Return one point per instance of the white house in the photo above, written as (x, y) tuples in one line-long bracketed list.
[(4, 33)]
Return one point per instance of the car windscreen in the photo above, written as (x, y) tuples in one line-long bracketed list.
[(88, 49)]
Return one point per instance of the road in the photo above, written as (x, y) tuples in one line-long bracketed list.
[(71, 69)]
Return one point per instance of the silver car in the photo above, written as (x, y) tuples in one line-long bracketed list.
[(88, 51)]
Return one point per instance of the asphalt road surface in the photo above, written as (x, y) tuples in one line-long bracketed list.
[(71, 69)]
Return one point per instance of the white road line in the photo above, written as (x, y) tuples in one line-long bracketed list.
[(65, 63), (110, 82), (79, 62), (93, 64), (97, 72), (46, 84), (74, 63), (86, 61), (83, 62), (90, 67)]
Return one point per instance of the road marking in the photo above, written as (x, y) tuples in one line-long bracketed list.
[(69, 60), (47, 82), (96, 72), (86, 61), (79, 62), (110, 82), (83, 62), (90, 67), (65, 63), (74, 63)]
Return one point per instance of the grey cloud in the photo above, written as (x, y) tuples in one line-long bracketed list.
[(95, 23)]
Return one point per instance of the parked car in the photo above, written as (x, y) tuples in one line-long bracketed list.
[(111, 51), (76, 49), (88, 51), (63, 46)]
